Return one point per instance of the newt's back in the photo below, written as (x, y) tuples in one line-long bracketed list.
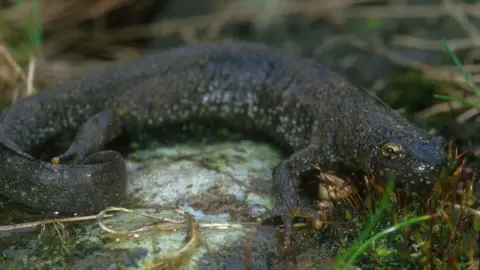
[(253, 84)]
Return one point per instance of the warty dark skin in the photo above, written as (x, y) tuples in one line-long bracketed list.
[(298, 102)]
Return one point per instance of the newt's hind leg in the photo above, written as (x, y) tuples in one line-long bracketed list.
[(91, 137)]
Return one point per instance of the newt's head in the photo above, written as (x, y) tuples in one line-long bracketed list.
[(414, 157)]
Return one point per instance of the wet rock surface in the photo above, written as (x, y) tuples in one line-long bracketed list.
[(217, 183)]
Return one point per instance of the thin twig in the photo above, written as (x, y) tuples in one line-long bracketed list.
[(12, 63), (177, 257), (445, 107), (47, 221), (409, 11), (31, 76), (171, 223), (432, 45), (15, 95)]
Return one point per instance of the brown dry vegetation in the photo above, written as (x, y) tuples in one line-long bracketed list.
[(79, 35)]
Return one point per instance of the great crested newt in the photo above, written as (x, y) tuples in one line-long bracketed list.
[(296, 101)]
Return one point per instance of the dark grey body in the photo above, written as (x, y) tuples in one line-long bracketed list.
[(295, 100)]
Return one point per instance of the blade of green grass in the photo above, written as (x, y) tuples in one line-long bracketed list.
[(462, 70), (33, 27), (464, 102), (383, 204), (392, 229)]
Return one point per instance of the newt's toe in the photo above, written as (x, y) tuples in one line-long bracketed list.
[(315, 216)]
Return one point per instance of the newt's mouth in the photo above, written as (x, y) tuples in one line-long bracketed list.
[(418, 172), (416, 175)]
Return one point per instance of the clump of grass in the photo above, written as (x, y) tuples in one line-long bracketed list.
[(348, 258)]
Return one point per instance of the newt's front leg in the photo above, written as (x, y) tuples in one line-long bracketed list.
[(291, 204)]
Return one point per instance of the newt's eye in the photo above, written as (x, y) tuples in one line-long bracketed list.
[(391, 150)]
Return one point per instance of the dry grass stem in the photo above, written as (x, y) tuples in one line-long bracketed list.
[(19, 226)]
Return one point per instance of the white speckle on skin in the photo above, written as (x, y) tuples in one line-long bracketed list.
[(421, 168)]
